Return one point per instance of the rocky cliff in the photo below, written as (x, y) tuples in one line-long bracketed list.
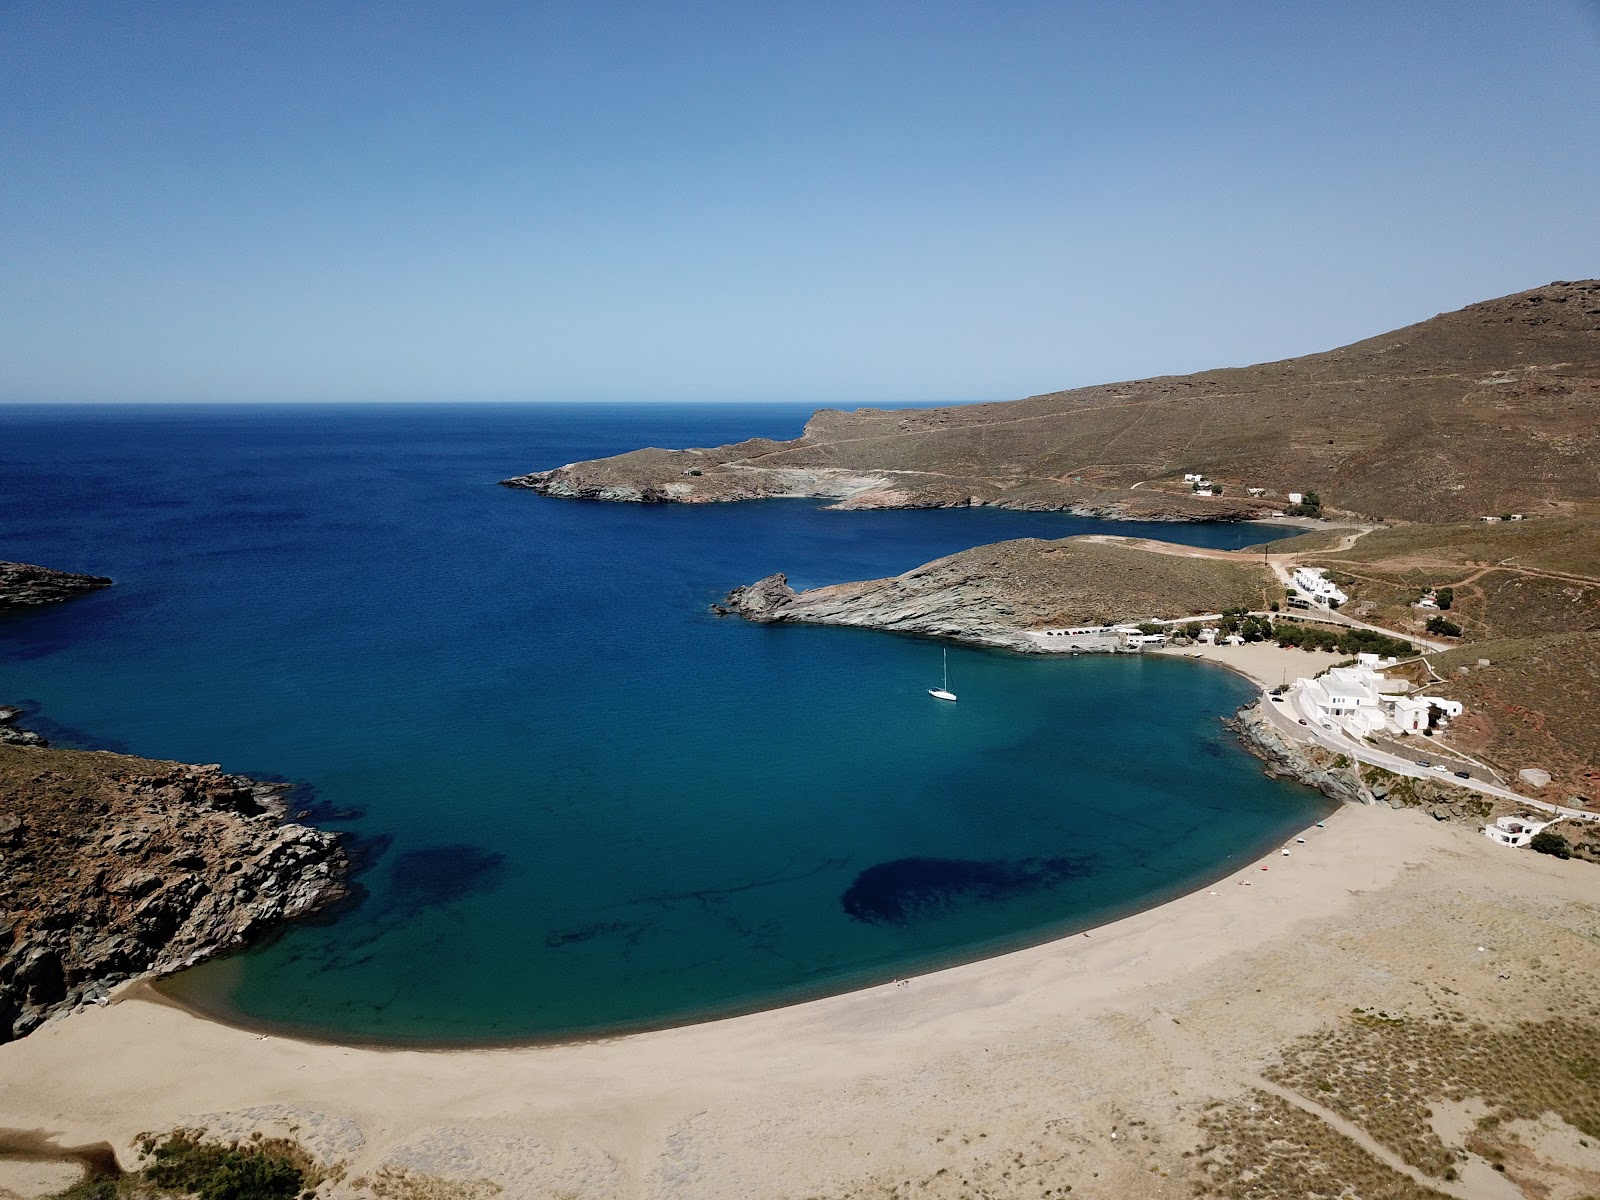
[(1315, 766), (994, 595), (23, 585), (1492, 408), (114, 867)]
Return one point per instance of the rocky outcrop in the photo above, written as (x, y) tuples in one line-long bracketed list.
[(114, 867), (23, 585), (11, 735), (998, 595), (1331, 774)]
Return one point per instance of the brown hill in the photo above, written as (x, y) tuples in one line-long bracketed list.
[(1492, 408)]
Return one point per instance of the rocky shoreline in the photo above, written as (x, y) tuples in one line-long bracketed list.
[(114, 867), (697, 476), (1002, 594), (23, 585), (1338, 778)]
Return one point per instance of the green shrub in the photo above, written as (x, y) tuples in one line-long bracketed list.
[(1443, 625), (185, 1164), (1546, 842)]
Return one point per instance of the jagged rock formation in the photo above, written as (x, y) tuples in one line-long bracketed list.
[(994, 595), (23, 585), (1492, 408), (1315, 766), (114, 867)]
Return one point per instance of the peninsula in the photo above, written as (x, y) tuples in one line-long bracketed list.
[(1489, 409)]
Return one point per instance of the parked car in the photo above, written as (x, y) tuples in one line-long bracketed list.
[(1423, 762), (1442, 767), (1463, 774), (1303, 721)]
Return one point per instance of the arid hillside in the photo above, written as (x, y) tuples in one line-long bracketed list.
[(1507, 579), (1494, 408), (991, 594)]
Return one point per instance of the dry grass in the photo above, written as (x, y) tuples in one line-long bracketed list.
[(1263, 1148), (1569, 545), (1383, 1072), (1533, 705)]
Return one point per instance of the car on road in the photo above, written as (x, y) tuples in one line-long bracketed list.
[(1463, 774), (1303, 721), (1423, 762), (1441, 767)]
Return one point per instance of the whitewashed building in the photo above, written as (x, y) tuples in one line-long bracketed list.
[(1514, 831), (1311, 583), (1296, 498), (1363, 702)]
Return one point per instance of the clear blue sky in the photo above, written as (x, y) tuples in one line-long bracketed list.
[(846, 202)]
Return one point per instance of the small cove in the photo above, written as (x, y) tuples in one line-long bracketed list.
[(583, 802)]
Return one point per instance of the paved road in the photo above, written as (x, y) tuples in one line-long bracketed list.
[(1285, 715)]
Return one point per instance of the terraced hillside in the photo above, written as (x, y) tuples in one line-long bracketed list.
[(1492, 408)]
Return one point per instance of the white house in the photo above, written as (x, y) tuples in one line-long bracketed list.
[(1191, 477), (1257, 491), (1363, 702), (1313, 584), (1514, 831), (1296, 498)]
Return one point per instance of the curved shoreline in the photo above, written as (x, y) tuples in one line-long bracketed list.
[(994, 1045), (158, 990)]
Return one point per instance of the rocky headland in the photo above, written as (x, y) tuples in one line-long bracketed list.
[(23, 585), (1492, 408), (114, 867), (995, 595)]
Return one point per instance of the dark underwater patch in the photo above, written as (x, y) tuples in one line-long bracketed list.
[(441, 874), (908, 889)]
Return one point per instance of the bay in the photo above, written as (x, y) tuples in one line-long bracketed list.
[(583, 802)]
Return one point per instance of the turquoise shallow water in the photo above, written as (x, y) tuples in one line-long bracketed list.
[(582, 802)]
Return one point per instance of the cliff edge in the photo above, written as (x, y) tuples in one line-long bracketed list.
[(117, 867)]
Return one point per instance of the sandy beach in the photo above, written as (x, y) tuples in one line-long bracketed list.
[(969, 1081), (1265, 663)]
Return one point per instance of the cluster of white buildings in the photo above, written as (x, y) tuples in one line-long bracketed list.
[(1363, 702), (1314, 586), (1100, 638)]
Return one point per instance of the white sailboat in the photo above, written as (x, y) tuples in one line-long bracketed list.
[(944, 693)]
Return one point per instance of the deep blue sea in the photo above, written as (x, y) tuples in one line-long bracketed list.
[(582, 803)]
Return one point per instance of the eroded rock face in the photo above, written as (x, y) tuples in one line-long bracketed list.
[(114, 867), (1331, 774), (23, 585)]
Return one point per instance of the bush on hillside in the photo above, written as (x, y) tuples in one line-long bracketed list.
[(1546, 842)]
